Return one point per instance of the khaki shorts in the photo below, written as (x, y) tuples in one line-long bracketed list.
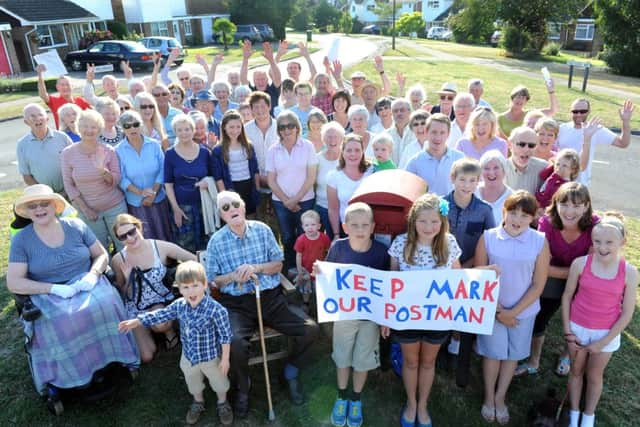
[(355, 345), (194, 376)]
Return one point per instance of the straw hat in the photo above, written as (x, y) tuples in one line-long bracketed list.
[(38, 192), (448, 87)]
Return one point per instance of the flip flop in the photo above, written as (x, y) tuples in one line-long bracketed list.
[(523, 369), (488, 413), (564, 366), (502, 416)]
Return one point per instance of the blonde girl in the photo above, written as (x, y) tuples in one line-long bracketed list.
[(426, 245), (597, 305)]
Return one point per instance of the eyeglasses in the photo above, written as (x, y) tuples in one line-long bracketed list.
[(290, 126), (527, 144), (420, 123), (227, 206), (579, 111), (125, 108), (131, 125), (127, 234), (184, 78), (447, 97), (176, 92), (36, 205), (158, 95), (147, 107)]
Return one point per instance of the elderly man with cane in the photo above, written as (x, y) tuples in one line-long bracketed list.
[(235, 253)]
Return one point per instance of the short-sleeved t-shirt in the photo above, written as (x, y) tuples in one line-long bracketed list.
[(184, 175), (563, 253), (345, 187), (466, 146), (423, 258), (312, 250), (56, 101), (54, 265), (324, 168), (376, 257), (41, 158)]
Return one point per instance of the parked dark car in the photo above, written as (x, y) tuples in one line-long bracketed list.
[(372, 29), (111, 52), (247, 32), (266, 32), (164, 46)]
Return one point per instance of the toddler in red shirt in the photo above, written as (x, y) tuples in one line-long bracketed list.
[(310, 247)]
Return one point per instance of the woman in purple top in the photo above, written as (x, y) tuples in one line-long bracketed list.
[(567, 226), (186, 165), (521, 254), (483, 129)]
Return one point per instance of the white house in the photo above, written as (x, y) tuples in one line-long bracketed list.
[(434, 12), (364, 10)]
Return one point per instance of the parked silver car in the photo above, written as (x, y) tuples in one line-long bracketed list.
[(164, 46)]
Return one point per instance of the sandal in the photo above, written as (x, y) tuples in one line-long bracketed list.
[(502, 416), (488, 413), (564, 366), (523, 369)]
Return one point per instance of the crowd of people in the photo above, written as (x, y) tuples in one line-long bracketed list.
[(172, 168)]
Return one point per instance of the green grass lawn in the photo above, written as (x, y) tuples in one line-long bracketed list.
[(234, 53), (498, 84), (159, 396)]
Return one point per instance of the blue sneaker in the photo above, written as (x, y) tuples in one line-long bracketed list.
[(355, 413), (339, 413)]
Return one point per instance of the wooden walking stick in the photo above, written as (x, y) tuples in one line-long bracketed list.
[(265, 365)]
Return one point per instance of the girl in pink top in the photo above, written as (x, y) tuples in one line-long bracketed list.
[(596, 312)]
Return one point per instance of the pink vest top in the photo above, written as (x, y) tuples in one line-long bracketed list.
[(598, 302)]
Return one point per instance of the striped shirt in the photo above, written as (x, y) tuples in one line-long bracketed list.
[(227, 251), (203, 328), (82, 178)]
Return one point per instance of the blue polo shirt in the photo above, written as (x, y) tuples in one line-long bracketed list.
[(468, 224), (437, 172)]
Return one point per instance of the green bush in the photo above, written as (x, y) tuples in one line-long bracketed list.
[(517, 42), (119, 29), (552, 49), (300, 21), (622, 61), (357, 26), (31, 84)]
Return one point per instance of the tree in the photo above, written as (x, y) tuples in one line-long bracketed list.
[(346, 23), (273, 12), (619, 22), (410, 23), (473, 21), (526, 21), (324, 15), (225, 30)]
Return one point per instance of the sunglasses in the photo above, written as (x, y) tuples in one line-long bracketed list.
[(131, 125), (526, 144), (227, 206), (125, 108), (36, 205), (147, 107), (290, 126), (447, 97), (420, 123), (579, 111), (158, 95), (127, 234)]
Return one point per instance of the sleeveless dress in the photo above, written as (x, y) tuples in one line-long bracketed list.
[(153, 290)]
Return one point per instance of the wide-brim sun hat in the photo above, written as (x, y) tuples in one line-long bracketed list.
[(358, 75), (35, 193)]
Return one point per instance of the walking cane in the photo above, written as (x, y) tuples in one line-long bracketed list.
[(265, 365)]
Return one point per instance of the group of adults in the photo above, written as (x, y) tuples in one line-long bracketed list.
[(142, 170)]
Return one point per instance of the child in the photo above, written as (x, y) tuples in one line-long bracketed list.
[(288, 97), (310, 247), (205, 333), (468, 218), (521, 254), (427, 245), (597, 305), (565, 168), (355, 342), (245, 111), (382, 149)]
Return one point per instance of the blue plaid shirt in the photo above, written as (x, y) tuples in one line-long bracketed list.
[(227, 251), (203, 329)]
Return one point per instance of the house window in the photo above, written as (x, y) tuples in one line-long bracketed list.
[(553, 30), (51, 35), (159, 29), (584, 32), (433, 4), (371, 7), (187, 28)]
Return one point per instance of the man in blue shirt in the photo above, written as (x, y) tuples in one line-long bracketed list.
[(237, 252)]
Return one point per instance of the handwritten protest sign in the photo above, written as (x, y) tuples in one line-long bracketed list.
[(51, 59), (462, 300)]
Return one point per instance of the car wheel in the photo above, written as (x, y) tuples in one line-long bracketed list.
[(76, 65)]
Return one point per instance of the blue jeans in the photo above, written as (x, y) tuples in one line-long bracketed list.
[(324, 219), (290, 228)]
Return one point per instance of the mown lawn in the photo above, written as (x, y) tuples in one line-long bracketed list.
[(159, 396)]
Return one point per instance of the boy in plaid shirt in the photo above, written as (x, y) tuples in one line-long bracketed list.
[(205, 333)]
